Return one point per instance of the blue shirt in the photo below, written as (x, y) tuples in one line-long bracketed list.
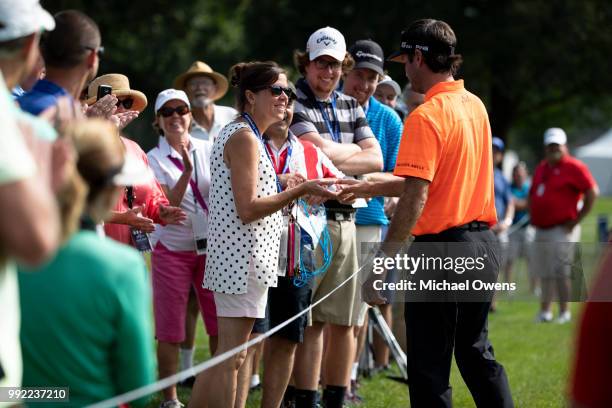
[(43, 95), (41, 128), (520, 193), (387, 128), (503, 194)]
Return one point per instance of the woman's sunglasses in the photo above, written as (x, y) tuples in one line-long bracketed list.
[(167, 112), (277, 90), (127, 102)]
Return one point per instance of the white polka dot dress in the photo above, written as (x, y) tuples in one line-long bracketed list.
[(236, 249)]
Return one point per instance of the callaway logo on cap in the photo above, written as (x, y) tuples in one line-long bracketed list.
[(326, 41)]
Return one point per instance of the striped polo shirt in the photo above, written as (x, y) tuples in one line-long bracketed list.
[(308, 115)]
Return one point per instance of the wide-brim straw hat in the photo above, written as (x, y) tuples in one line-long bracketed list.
[(121, 87), (201, 68)]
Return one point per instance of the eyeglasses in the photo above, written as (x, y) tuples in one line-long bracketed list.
[(322, 64), (277, 90), (167, 112), (127, 102), (99, 50)]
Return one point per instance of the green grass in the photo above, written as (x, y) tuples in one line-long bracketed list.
[(537, 357)]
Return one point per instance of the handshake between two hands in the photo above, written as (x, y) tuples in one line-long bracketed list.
[(318, 191)]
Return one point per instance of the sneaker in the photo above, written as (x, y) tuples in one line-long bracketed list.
[(564, 317), (544, 317), (171, 404)]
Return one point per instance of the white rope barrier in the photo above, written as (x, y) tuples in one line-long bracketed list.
[(522, 222)]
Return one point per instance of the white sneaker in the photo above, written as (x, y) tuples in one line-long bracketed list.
[(544, 317), (171, 404), (564, 317)]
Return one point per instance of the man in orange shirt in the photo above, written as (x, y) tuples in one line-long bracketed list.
[(445, 183)]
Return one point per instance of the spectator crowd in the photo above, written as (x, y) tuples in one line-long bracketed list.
[(249, 214)]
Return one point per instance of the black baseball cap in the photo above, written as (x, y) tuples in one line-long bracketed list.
[(368, 54), (409, 44)]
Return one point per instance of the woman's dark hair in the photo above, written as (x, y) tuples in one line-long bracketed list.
[(253, 76), (440, 41), (301, 59)]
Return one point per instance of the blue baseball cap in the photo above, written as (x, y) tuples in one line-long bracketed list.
[(498, 144)]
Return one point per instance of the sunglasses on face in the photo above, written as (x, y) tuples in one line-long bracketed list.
[(127, 103), (167, 112), (324, 64), (277, 90)]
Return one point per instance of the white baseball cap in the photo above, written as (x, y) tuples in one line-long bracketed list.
[(387, 80), (326, 41), (19, 18), (555, 136), (168, 95)]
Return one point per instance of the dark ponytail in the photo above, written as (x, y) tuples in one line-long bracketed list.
[(252, 76)]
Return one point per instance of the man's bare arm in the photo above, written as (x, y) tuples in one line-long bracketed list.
[(407, 212), (352, 189), (337, 152), (368, 160), (590, 196)]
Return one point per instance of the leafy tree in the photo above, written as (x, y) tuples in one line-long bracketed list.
[(535, 63)]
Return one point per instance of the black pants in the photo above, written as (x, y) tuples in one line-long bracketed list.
[(435, 329)]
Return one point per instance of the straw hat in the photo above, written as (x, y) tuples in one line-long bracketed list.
[(201, 68), (121, 87)]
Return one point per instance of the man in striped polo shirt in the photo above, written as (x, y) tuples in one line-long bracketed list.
[(336, 124), (361, 83)]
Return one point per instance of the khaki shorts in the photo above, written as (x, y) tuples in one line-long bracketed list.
[(553, 252), (366, 234), (338, 308)]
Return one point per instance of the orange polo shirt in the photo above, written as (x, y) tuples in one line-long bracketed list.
[(447, 141)]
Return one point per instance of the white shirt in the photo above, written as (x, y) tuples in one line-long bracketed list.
[(180, 237), (222, 116)]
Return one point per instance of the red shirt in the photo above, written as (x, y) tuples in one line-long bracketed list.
[(590, 379), (315, 162), (149, 196), (556, 190)]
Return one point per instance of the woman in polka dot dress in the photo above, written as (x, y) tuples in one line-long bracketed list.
[(245, 222)]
